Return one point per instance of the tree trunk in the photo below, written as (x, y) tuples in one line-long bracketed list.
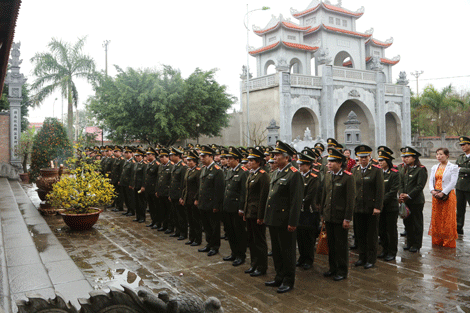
[(70, 114)]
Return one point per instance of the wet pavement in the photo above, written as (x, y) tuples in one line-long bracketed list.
[(118, 251)]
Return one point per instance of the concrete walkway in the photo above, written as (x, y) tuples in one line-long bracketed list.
[(32, 259)]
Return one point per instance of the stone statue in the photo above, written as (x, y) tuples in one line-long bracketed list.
[(307, 134), (282, 65), (117, 301), (376, 66), (244, 73), (402, 80), (323, 56)]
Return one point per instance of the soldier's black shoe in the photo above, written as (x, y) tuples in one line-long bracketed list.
[(212, 252), (238, 262), (382, 255), (406, 248), (298, 264), (306, 266), (117, 210), (368, 265), (223, 237), (130, 214), (125, 213), (270, 253), (182, 237), (414, 249), (154, 227), (135, 220), (459, 231), (403, 234), (359, 263), (339, 277), (273, 283), (188, 242), (173, 235), (161, 229), (328, 274), (195, 244), (284, 289), (389, 258), (149, 225), (168, 231), (205, 249), (141, 221), (229, 258), (353, 247), (250, 270), (257, 273)]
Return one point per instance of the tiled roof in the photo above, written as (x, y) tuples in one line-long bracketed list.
[(262, 31), (379, 43), (328, 7), (345, 31), (312, 30), (285, 24), (287, 44), (293, 26), (383, 60)]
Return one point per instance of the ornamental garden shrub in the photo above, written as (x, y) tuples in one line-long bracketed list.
[(50, 144)]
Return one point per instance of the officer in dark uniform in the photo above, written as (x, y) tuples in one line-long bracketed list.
[(178, 215), (234, 202), (337, 211), (369, 200), (116, 170), (151, 177), (388, 218), (413, 178), (163, 191), (137, 182), (189, 196), (462, 188), (125, 181), (244, 153), (309, 221), (210, 199), (282, 216)]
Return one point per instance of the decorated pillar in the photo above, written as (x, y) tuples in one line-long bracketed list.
[(15, 81)]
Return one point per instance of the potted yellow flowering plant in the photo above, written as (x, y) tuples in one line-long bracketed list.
[(79, 192)]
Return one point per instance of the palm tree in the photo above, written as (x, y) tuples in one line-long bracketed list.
[(57, 70)]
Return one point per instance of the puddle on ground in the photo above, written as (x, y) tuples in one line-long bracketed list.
[(118, 277)]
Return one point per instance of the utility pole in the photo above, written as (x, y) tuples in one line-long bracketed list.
[(417, 74), (105, 46)]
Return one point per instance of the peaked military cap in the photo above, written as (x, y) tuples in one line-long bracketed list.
[(282, 147), (408, 151), (190, 145), (224, 152), (109, 148), (151, 150), (254, 153), (332, 142), (128, 149), (175, 151), (385, 148), (318, 151), (362, 150), (268, 151), (320, 146), (192, 155), (464, 140), (339, 147), (385, 155), (139, 151), (335, 155), (205, 149), (271, 160), (163, 152), (117, 148), (311, 153), (198, 146), (304, 158), (234, 152), (244, 153)]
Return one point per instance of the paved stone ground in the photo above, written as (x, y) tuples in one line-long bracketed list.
[(119, 251)]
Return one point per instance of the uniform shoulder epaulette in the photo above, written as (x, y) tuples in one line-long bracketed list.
[(172, 163), (394, 170), (395, 166), (356, 165), (158, 163), (182, 163), (346, 172), (293, 169), (422, 166), (198, 168), (316, 170), (217, 167), (244, 168), (375, 165), (122, 158), (311, 174), (262, 171)]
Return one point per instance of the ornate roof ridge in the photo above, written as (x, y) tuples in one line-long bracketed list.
[(281, 22), (287, 44), (379, 43), (391, 61), (329, 7), (367, 34), (265, 48)]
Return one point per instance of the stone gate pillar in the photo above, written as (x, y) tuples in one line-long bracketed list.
[(15, 81)]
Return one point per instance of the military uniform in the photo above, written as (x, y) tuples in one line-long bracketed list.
[(369, 196), (283, 210), (337, 206), (189, 195), (412, 182), (150, 182), (178, 216), (137, 183), (125, 184), (163, 192), (462, 188), (116, 171)]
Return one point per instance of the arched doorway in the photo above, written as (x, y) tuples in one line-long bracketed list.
[(393, 131), (302, 119), (295, 66), (344, 59), (364, 116), (269, 68)]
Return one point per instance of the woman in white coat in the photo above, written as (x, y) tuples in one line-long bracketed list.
[(442, 181)]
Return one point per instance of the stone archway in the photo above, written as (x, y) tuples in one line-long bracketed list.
[(343, 58), (302, 119), (393, 131), (296, 66), (269, 67), (366, 126)]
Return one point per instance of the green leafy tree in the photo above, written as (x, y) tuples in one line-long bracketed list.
[(58, 69), (25, 147), (50, 144), (160, 106), (25, 104)]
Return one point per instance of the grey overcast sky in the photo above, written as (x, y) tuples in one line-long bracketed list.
[(429, 35)]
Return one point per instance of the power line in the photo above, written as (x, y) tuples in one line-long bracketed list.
[(443, 78)]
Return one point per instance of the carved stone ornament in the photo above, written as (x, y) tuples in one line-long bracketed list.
[(323, 56), (244, 72), (127, 301), (402, 80), (282, 65), (376, 65), (354, 93)]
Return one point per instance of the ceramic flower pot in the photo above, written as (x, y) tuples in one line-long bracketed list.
[(81, 221)]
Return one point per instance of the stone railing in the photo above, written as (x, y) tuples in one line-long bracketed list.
[(342, 73), (262, 82), (393, 89), (305, 81)]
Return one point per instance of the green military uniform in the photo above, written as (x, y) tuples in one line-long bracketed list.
[(150, 183), (337, 206), (178, 215), (412, 182), (116, 170), (283, 210), (462, 188), (163, 192), (210, 202), (125, 184), (137, 182), (189, 195), (369, 196)]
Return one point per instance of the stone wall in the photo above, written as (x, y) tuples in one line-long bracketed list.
[(4, 138), (427, 146)]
